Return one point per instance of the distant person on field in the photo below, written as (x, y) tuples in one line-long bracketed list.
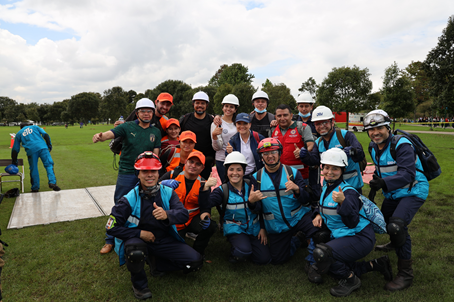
[(138, 136), (37, 144)]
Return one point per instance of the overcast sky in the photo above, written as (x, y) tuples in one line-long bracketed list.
[(53, 49)]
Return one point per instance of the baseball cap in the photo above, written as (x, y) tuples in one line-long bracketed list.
[(172, 121), (188, 135), (165, 97), (197, 154), (243, 117)]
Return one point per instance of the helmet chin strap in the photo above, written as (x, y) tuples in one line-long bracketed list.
[(144, 121), (275, 164), (328, 132)]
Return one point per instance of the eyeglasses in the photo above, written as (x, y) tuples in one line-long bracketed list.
[(145, 111), (320, 124), (270, 152)]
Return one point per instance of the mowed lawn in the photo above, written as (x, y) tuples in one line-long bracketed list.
[(61, 261)]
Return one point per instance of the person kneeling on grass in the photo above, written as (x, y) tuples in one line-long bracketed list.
[(352, 235), (143, 224), (240, 206)]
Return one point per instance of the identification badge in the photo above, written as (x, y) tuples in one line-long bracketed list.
[(111, 222)]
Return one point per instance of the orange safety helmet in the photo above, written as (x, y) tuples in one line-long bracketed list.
[(269, 144), (147, 161)]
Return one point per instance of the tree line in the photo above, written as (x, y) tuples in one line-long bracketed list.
[(420, 89)]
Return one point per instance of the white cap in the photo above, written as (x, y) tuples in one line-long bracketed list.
[(201, 96), (305, 97), (260, 95), (144, 103), (235, 158), (335, 157), (231, 99), (322, 113)]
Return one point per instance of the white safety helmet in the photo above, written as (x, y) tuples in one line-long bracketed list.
[(334, 157), (231, 99), (261, 95), (305, 97), (376, 118), (322, 113), (201, 96), (235, 158), (145, 103)]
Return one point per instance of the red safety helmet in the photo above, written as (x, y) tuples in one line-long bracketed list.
[(269, 144), (147, 161)]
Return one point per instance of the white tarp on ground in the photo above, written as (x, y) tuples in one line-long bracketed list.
[(66, 205)]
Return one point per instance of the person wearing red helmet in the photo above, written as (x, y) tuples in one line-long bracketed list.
[(143, 224), (285, 202)]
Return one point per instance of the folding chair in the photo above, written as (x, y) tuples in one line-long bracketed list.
[(6, 162)]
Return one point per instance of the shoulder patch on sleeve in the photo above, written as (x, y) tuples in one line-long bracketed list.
[(111, 222)]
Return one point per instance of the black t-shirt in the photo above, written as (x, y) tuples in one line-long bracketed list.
[(261, 126), (201, 128)]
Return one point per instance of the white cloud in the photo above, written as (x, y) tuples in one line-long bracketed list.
[(139, 44)]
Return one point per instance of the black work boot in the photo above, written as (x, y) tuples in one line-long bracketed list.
[(54, 187), (142, 294), (346, 286), (404, 276), (388, 247), (383, 266), (312, 273)]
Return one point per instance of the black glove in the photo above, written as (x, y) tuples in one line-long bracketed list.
[(377, 183), (372, 195)]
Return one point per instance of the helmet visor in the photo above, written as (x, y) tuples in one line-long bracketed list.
[(375, 120)]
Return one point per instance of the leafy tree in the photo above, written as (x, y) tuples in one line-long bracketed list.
[(397, 93), (55, 111), (244, 93), (439, 66), (178, 90), (113, 103), (84, 106), (233, 75), (31, 112), (278, 94), (345, 89), (419, 82), (5, 102), (311, 86), (373, 101), (15, 113), (43, 113)]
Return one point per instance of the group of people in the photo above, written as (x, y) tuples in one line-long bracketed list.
[(271, 200)]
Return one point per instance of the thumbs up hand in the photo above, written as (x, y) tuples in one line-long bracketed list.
[(229, 148), (296, 152), (339, 197), (290, 185), (255, 196), (159, 213), (211, 182)]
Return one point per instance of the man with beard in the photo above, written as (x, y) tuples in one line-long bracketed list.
[(199, 122)]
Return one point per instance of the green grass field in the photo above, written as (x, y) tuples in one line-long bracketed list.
[(61, 261)]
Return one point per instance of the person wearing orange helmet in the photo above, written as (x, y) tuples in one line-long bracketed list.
[(285, 202), (194, 193), (143, 224)]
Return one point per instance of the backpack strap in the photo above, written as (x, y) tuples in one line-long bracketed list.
[(226, 193), (392, 149), (340, 138), (256, 136), (289, 172), (184, 119), (259, 177)]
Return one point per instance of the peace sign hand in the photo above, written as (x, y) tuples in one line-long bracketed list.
[(339, 197), (255, 195)]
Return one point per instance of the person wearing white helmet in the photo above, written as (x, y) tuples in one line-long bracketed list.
[(221, 134), (305, 104), (199, 122), (138, 136), (398, 173), (240, 209), (260, 118), (352, 238), (332, 137)]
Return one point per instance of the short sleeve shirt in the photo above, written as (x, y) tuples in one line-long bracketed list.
[(136, 140)]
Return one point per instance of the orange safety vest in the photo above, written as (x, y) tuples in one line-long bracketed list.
[(288, 142), (175, 161), (190, 200), (163, 121)]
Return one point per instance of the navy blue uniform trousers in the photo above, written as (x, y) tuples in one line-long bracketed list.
[(244, 245)]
